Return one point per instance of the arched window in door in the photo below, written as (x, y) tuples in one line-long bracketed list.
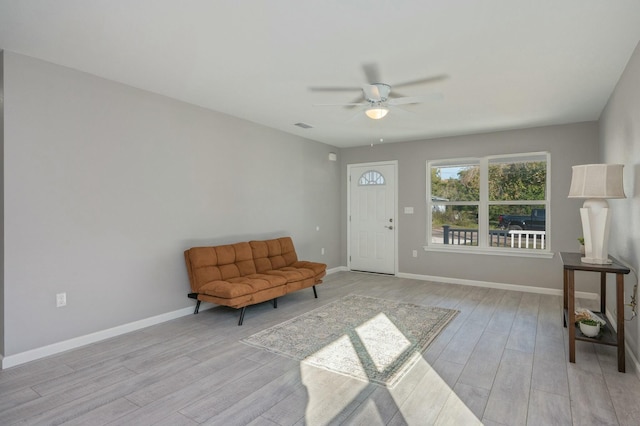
[(371, 177)]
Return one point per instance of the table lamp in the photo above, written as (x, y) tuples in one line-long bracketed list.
[(596, 183)]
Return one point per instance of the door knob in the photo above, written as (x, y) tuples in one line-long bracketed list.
[(389, 227)]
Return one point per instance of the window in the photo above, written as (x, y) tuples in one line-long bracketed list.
[(371, 177), (498, 204)]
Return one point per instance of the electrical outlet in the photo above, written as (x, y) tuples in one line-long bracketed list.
[(61, 300), (322, 251), (415, 253)]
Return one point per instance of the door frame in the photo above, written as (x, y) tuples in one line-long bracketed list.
[(393, 163)]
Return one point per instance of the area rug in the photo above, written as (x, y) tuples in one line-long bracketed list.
[(371, 339)]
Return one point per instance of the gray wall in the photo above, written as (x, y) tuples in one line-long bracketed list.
[(106, 185), (620, 143), (2, 202), (568, 145)]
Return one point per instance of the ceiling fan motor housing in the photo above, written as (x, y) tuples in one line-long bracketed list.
[(377, 92)]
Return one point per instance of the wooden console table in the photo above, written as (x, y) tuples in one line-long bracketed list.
[(571, 263)]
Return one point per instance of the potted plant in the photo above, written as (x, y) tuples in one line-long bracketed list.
[(589, 327), (581, 241)]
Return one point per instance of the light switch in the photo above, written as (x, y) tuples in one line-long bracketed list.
[(408, 210)]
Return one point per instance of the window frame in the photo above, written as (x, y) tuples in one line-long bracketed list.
[(365, 178), (483, 204)]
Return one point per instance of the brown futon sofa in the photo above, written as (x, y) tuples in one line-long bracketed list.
[(243, 274)]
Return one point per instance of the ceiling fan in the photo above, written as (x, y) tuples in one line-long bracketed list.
[(377, 97)]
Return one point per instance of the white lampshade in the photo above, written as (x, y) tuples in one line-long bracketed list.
[(376, 113), (597, 181)]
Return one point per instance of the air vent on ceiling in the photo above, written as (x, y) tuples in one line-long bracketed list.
[(304, 125)]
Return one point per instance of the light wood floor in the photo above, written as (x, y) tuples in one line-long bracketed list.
[(502, 361)]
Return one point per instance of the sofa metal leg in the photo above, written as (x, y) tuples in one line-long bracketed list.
[(242, 315), (315, 293), (197, 308), (275, 303)]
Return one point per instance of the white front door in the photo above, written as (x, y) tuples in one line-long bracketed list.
[(372, 217)]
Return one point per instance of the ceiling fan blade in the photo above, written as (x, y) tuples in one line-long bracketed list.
[(345, 105), (372, 92), (425, 80), (358, 116), (359, 99), (415, 99), (335, 89), (406, 100), (372, 72), (396, 95), (396, 110)]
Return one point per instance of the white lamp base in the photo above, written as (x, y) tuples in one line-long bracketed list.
[(595, 226)]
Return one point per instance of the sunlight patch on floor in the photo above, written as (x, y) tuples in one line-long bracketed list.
[(338, 353), (421, 396), (369, 333), (431, 401), (328, 393)]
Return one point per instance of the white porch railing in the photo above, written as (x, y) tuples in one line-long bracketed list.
[(533, 235), (497, 237)]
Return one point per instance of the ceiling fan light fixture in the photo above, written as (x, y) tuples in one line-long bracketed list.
[(377, 112)]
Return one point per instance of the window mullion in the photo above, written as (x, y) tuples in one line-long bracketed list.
[(483, 209), (429, 205)]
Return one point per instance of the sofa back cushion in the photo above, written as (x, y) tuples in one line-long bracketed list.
[(206, 264), (273, 254)]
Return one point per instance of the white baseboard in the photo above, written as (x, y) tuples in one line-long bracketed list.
[(337, 269), (500, 286), (628, 344), (56, 348), (541, 290), (630, 357)]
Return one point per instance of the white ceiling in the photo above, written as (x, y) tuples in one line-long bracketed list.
[(510, 64)]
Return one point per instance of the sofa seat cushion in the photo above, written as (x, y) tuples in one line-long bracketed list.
[(226, 289), (319, 269), (274, 280), (292, 274), (236, 302), (242, 286), (299, 285)]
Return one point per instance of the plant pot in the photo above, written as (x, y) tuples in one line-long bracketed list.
[(589, 330), (581, 248)]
